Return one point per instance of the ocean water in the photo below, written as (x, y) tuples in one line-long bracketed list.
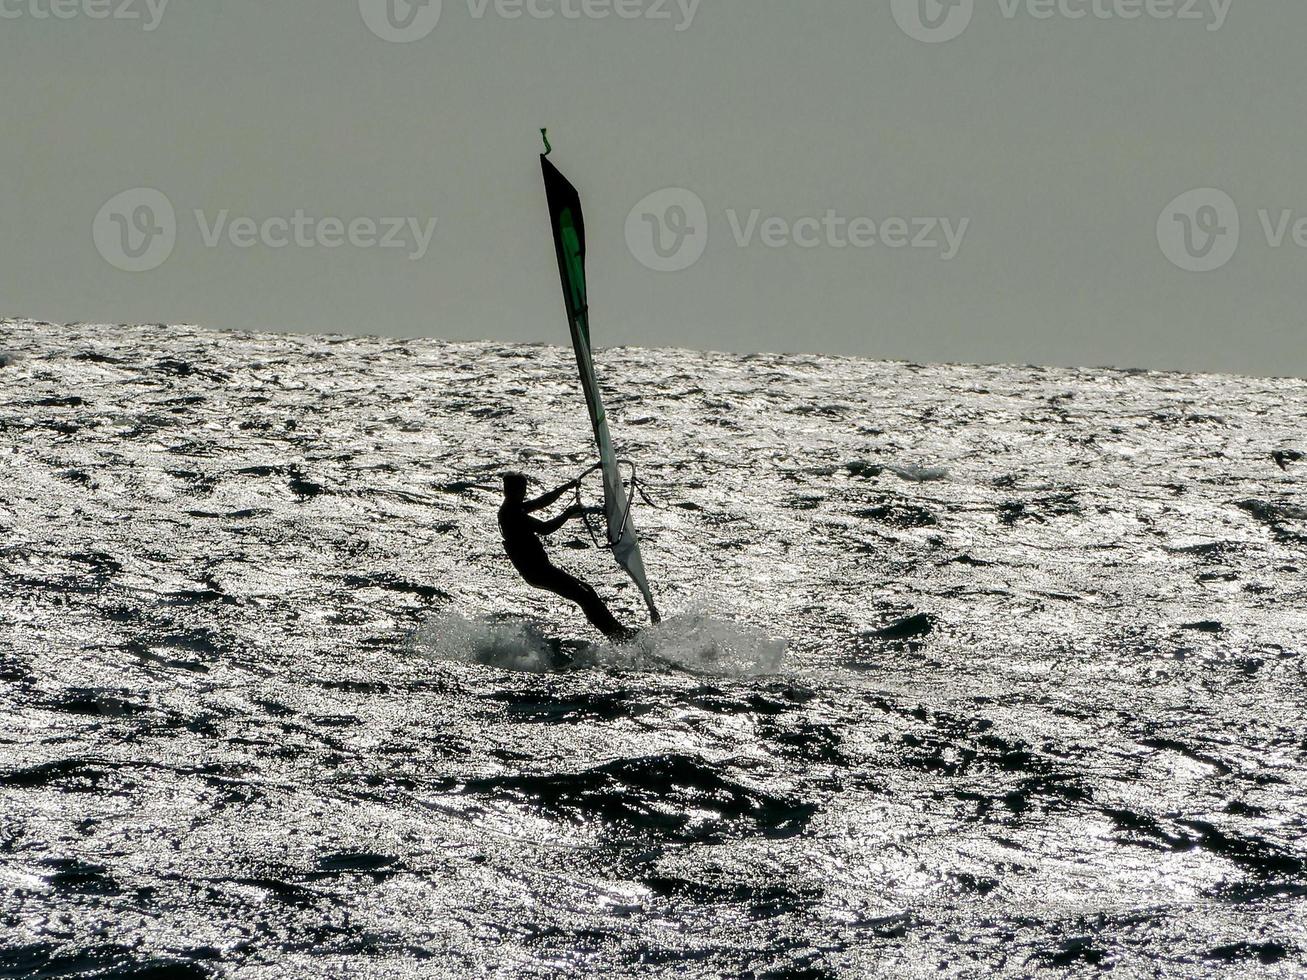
[(273, 704)]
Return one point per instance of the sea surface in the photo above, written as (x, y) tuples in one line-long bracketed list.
[(274, 704)]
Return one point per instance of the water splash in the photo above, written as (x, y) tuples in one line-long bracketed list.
[(696, 643), (702, 644), (507, 644)]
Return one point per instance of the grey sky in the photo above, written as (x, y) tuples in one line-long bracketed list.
[(1059, 141)]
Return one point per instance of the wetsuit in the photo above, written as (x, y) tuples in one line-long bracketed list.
[(522, 534)]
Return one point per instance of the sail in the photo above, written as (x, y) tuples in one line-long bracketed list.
[(569, 241)]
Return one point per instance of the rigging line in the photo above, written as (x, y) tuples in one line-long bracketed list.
[(594, 538), (626, 512)]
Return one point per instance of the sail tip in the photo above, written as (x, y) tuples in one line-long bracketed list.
[(544, 135)]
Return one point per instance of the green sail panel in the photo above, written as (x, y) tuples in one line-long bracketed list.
[(569, 242)]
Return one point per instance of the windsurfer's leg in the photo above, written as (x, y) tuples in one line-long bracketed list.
[(583, 594)]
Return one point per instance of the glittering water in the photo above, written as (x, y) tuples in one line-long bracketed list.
[(272, 703)]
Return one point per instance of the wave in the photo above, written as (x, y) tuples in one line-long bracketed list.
[(919, 474), (675, 797)]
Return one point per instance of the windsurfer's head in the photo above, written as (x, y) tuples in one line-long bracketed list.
[(515, 487)]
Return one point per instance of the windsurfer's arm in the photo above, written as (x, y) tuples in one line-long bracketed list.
[(552, 497), (546, 528)]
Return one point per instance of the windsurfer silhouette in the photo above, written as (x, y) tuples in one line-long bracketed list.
[(522, 534)]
